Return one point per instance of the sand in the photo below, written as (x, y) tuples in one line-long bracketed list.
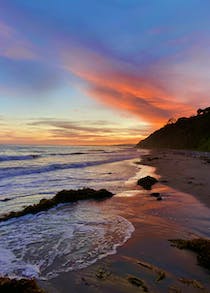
[(186, 171), (147, 261)]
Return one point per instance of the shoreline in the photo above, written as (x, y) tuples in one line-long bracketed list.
[(147, 259), (183, 170)]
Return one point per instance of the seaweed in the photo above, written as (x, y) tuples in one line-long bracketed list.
[(8, 285), (64, 196), (194, 283), (137, 282), (200, 246), (160, 273)]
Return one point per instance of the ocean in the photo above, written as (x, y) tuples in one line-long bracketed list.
[(67, 237), (63, 247)]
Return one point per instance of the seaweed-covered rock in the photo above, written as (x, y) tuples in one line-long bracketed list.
[(64, 196), (147, 182), (8, 285), (200, 246)]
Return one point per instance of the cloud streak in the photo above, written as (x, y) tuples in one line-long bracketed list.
[(84, 132)]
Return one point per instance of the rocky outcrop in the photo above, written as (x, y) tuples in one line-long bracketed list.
[(64, 196)]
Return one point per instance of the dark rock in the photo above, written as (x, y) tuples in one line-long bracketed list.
[(147, 182), (159, 198), (64, 196), (155, 194), (8, 285)]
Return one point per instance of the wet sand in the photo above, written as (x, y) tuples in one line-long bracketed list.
[(184, 170), (148, 256)]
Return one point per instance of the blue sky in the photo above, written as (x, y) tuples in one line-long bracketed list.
[(118, 69)]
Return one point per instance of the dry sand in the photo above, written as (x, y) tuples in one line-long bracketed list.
[(186, 171)]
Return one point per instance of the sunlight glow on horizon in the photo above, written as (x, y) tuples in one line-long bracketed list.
[(100, 73)]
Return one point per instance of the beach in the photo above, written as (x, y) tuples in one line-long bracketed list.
[(186, 171), (147, 262)]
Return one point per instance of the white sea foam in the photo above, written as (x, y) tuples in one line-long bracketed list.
[(60, 240)]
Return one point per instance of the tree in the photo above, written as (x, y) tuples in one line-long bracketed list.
[(172, 120)]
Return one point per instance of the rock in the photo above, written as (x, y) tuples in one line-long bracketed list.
[(155, 194), (8, 285), (64, 196), (147, 182)]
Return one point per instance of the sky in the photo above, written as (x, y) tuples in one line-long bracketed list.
[(90, 72)]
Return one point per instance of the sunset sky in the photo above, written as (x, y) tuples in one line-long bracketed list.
[(100, 72)]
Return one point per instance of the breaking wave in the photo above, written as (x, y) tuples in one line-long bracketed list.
[(60, 240)]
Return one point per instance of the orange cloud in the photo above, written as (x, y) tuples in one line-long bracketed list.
[(114, 84)]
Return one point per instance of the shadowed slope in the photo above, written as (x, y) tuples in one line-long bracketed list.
[(186, 133)]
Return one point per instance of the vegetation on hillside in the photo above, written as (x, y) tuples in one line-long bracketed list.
[(185, 133)]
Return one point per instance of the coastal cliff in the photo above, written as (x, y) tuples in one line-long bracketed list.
[(186, 133)]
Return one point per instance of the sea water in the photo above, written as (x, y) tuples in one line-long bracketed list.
[(67, 237)]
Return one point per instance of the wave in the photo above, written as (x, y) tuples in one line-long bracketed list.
[(66, 154), (21, 171), (4, 158), (51, 243)]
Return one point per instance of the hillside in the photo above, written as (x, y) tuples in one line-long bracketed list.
[(186, 133)]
